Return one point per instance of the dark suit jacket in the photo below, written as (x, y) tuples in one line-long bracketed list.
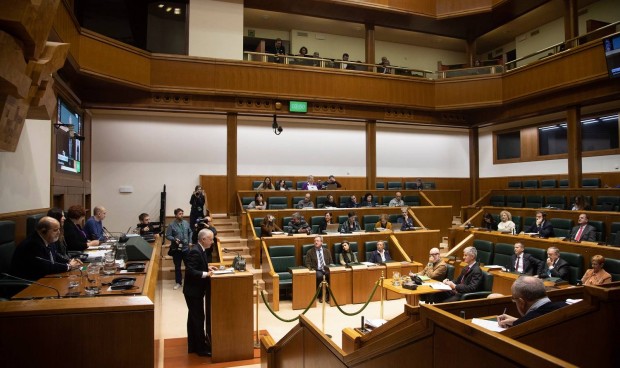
[(473, 280), (588, 234), (195, 265), (25, 264), (75, 238), (559, 270), (545, 229), (542, 310), (312, 260), (375, 257), (531, 265)]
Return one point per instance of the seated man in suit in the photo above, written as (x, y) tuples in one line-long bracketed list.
[(436, 268), (318, 258), (469, 281), (555, 266), (35, 257), (529, 295), (380, 255), (523, 263), (583, 231), (542, 227)]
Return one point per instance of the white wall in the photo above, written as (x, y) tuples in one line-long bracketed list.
[(268, 33), (604, 10), (148, 152), (216, 29), (25, 174), (410, 152)]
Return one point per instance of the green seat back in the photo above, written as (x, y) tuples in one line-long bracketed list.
[(514, 201), (485, 251), (600, 230), (320, 201), (411, 200), (538, 253), (502, 254), (517, 221), (561, 223), (534, 201), (558, 202), (497, 201), (370, 220), (380, 185), (514, 184), (530, 184), (548, 183), (277, 202), (256, 184), (282, 258), (575, 262), (591, 183), (563, 183), (392, 185), (612, 266)]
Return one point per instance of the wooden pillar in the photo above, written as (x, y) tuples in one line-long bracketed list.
[(371, 154), (370, 44), (231, 161), (573, 119), (471, 52), (474, 164), (571, 19)]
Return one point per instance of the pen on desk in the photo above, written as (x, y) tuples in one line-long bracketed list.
[(498, 317)]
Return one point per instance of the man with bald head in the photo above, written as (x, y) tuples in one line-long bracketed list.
[(436, 268), (35, 257), (93, 228), (529, 295)]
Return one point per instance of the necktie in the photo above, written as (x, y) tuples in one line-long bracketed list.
[(321, 262), (465, 274), (549, 271), (579, 233), (517, 264)]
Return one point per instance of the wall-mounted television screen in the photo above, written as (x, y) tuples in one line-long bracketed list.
[(612, 54), (68, 148)]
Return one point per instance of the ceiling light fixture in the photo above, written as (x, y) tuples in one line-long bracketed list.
[(168, 9), (177, 11), (160, 6)]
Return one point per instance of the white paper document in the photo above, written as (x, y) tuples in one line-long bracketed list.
[(224, 271), (440, 286), (488, 324)]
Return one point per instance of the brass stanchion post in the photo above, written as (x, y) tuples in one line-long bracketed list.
[(257, 342), (324, 297), (381, 309)]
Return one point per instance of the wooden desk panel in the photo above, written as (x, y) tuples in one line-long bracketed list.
[(61, 283), (231, 317), (304, 287), (418, 243), (341, 285), (364, 280), (412, 296)]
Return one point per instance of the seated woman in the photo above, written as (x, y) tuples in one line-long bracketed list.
[(268, 226), (383, 223), (330, 202), (351, 224), (506, 225), (266, 184), (328, 219), (596, 275), (258, 203), (580, 204), (281, 185), (74, 235), (347, 257), (352, 203), (488, 222), (406, 222), (368, 201)]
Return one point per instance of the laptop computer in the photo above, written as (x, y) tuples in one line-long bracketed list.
[(332, 186), (332, 228)]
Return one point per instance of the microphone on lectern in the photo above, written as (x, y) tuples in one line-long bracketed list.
[(32, 283)]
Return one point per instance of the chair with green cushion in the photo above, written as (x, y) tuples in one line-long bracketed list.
[(320, 201), (257, 221), (300, 185), (495, 217), (449, 271), (370, 219), (528, 222), (517, 221), (530, 184), (612, 266), (394, 217), (315, 229), (558, 202), (285, 221), (387, 199), (534, 201), (514, 184), (591, 183), (411, 200), (256, 184), (245, 202), (338, 250), (615, 227), (306, 247), (342, 219), (344, 201), (7, 245), (316, 220), (485, 251), (538, 253), (575, 263), (411, 185), (289, 184), (502, 254), (380, 185), (296, 200), (277, 203), (600, 230), (548, 183), (562, 227), (32, 221), (395, 185), (258, 231), (371, 246), (514, 201), (497, 201), (282, 258), (485, 289), (563, 183), (369, 227), (607, 203)]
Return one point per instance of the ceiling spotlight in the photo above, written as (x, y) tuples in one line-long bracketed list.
[(177, 11), (160, 6), (168, 9), (277, 130)]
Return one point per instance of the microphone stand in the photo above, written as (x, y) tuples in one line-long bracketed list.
[(32, 283)]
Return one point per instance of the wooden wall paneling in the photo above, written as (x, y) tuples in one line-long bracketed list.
[(371, 154), (214, 186), (472, 92), (417, 243), (573, 119), (529, 144), (446, 198), (67, 29), (231, 163)]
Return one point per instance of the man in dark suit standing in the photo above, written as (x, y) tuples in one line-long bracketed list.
[(583, 231), (197, 285), (469, 281), (524, 263), (35, 258), (555, 266), (318, 258), (529, 295), (542, 227), (381, 254)]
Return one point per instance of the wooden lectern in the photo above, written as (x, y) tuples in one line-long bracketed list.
[(231, 317)]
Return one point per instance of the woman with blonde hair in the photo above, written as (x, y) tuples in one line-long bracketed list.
[(596, 275), (383, 223), (506, 225)]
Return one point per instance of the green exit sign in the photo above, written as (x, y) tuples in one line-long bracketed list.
[(298, 106)]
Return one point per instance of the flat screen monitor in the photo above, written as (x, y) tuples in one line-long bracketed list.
[(68, 148), (612, 55)]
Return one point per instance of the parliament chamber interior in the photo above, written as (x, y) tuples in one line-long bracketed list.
[(395, 127)]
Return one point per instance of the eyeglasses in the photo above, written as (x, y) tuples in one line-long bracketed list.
[(434, 254)]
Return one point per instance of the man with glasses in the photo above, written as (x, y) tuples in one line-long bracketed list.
[(318, 259), (529, 294), (583, 231), (397, 201), (542, 227), (555, 266), (436, 268)]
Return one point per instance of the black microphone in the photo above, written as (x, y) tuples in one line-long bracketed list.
[(32, 283)]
